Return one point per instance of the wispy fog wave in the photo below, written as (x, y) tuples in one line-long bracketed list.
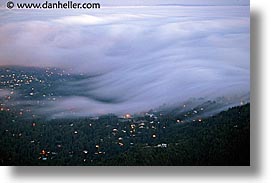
[(142, 57)]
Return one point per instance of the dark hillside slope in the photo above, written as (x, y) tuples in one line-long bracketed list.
[(222, 140)]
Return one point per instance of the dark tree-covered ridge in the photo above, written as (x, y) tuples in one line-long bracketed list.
[(223, 139)]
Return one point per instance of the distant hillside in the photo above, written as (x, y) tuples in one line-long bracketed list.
[(223, 139), (220, 140)]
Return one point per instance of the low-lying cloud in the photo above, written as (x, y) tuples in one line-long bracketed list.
[(141, 57)]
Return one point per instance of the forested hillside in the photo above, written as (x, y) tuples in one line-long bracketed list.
[(109, 140)]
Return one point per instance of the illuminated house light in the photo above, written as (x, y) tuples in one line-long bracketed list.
[(120, 144), (43, 152), (85, 152), (127, 116)]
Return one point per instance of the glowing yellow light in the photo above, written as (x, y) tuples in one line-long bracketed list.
[(43, 152), (128, 116), (120, 144)]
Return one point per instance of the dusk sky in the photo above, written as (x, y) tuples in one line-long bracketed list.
[(145, 56)]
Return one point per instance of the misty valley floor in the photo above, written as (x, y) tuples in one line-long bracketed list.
[(152, 139)]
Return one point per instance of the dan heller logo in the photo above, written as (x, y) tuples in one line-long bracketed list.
[(54, 5)]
